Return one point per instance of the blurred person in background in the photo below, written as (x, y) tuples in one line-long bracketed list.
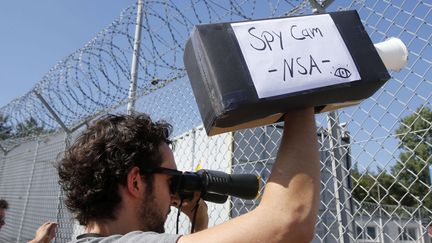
[(3, 206)]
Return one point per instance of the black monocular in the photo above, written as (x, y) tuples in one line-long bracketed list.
[(216, 186)]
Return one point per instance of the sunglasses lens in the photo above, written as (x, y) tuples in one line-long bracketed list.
[(174, 183)]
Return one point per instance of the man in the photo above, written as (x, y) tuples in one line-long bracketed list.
[(3, 206), (115, 186)]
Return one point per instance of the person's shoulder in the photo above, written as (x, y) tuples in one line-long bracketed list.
[(149, 236), (134, 236)]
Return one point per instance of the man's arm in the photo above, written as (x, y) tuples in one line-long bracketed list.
[(289, 206)]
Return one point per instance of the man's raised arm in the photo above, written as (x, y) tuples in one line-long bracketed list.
[(289, 206)]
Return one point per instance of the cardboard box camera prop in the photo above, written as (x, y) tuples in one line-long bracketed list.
[(247, 74)]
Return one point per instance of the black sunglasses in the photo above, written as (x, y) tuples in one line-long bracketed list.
[(175, 176)]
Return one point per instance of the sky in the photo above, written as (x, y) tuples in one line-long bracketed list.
[(35, 35)]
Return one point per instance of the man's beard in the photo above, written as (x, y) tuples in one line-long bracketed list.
[(150, 215)]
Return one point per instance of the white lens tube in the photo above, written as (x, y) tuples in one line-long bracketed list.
[(393, 53)]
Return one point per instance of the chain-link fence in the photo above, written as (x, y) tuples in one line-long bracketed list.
[(375, 157)]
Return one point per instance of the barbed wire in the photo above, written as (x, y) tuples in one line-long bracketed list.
[(96, 77), (94, 80)]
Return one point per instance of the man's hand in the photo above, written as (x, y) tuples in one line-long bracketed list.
[(45, 233), (189, 207)]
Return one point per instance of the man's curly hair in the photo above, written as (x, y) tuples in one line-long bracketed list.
[(98, 162)]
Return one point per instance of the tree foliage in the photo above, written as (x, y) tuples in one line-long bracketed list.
[(408, 182), (5, 130), (29, 127), (412, 171)]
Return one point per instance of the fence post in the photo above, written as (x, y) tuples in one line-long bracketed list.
[(60, 197), (2, 167), (316, 7), (52, 112), (341, 175), (135, 58), (3, 149), (67, 142), (193, 150), (28, 190), (339, 168)]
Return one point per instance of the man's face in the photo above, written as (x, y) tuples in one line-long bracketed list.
[(155, 208), (2, 217)]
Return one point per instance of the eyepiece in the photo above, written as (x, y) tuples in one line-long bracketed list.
[(216, 186)]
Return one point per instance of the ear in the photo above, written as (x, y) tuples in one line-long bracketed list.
[(135, 185)]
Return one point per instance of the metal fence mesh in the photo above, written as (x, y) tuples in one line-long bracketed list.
[(375, 157)]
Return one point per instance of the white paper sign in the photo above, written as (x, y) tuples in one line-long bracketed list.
[(294, 54)]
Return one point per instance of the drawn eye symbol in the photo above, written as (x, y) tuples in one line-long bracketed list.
[(342, 73)]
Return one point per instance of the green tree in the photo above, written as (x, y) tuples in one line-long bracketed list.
[(5, 130), (379, 187), (29, 127), (412, 171), (362, 185), (388, 188), (409, 181)]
